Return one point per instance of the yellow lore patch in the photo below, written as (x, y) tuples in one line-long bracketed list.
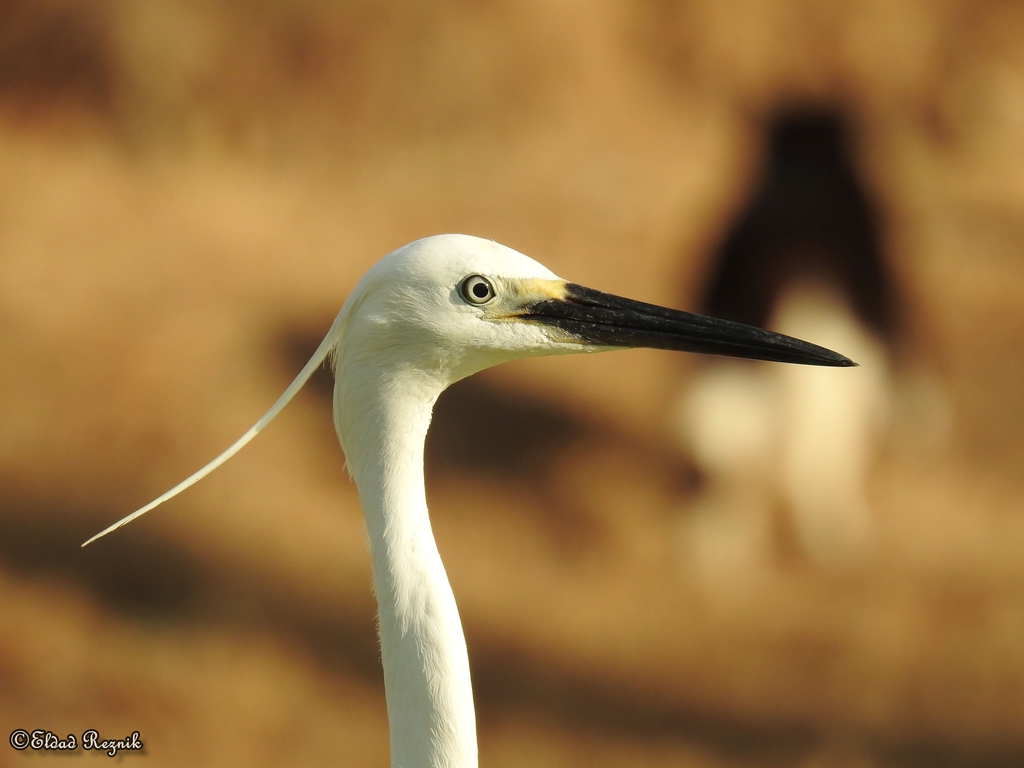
[(516, 294), (535, 289)]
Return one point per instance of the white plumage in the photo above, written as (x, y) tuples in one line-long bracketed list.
[(425, 316)]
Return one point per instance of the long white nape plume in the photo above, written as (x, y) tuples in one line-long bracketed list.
[(326, 346)]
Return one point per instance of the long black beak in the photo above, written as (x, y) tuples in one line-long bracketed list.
[(612, 321)]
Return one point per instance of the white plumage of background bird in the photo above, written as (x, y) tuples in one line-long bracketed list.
[(425, 316)]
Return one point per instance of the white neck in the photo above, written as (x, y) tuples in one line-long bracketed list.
[(423, 649)]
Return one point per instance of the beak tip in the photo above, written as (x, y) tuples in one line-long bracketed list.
[(836, 360)]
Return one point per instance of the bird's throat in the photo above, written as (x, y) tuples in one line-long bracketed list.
[(423, 649)]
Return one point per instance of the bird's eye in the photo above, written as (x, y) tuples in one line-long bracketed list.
[(477, 290)]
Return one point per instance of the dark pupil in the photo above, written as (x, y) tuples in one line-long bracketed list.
[(480, 290)]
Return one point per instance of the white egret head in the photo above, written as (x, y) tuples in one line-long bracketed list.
[(455, 304), (448, 305), (444, 307)]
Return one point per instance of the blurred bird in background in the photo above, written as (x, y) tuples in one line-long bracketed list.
[(805, 256)]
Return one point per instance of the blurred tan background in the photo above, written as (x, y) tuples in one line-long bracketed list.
[(188, 191)]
